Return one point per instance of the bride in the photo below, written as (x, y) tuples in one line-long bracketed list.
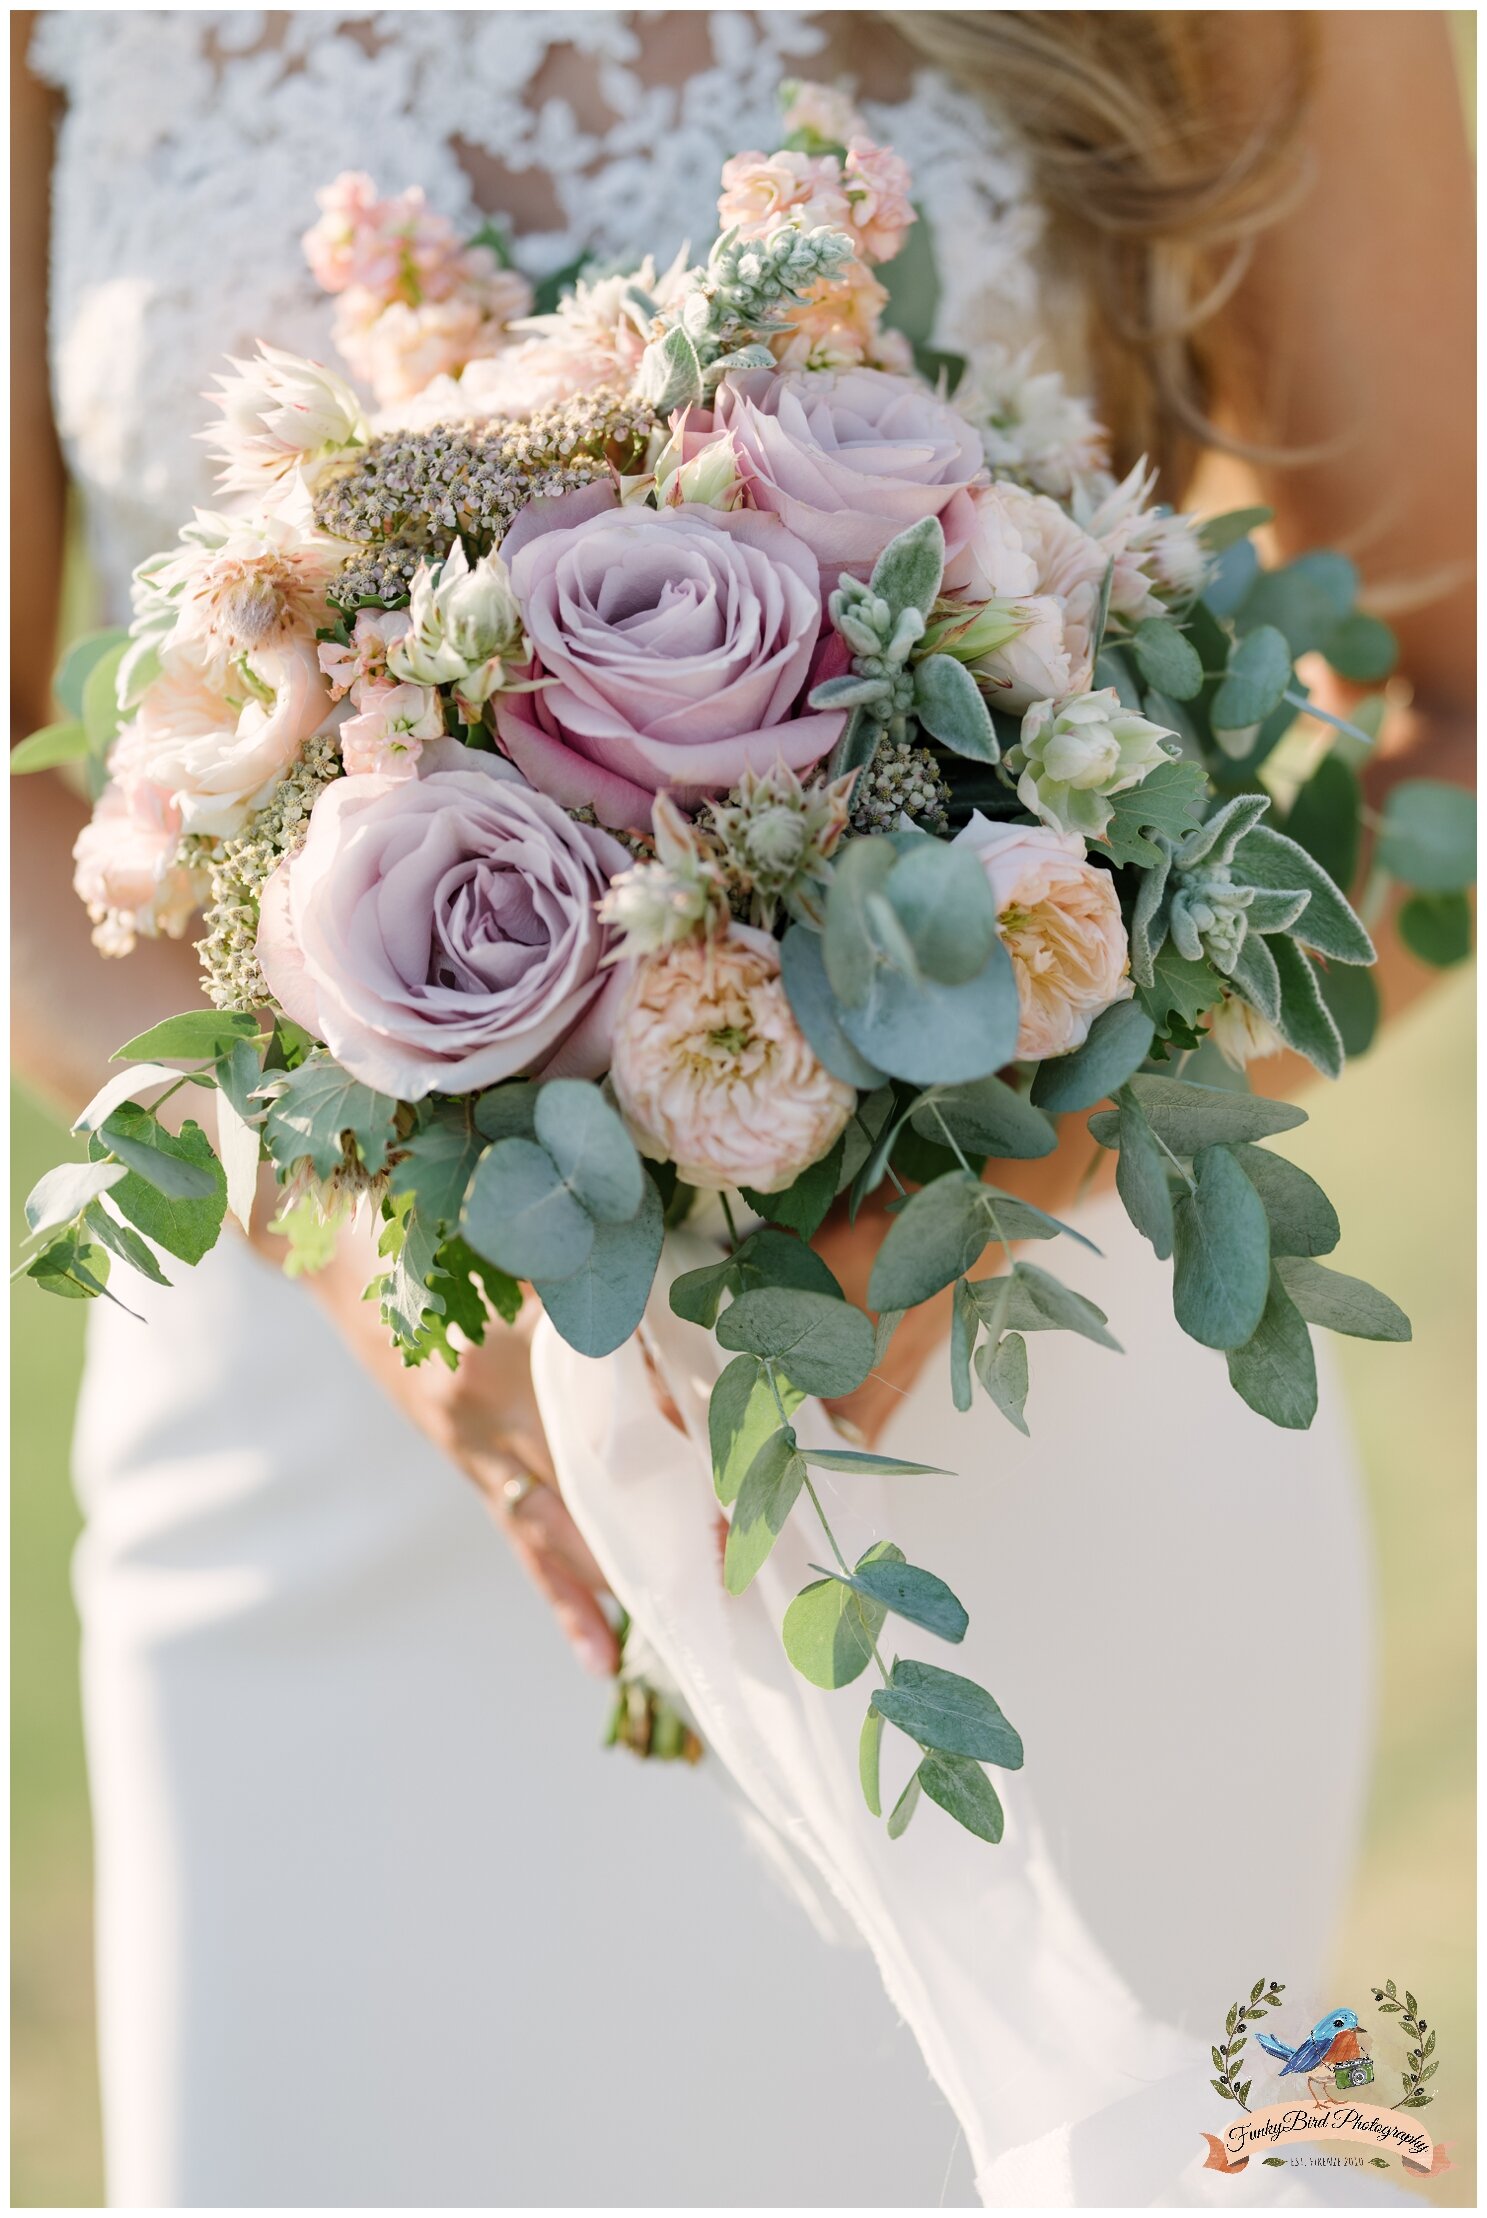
[(376, 1923)]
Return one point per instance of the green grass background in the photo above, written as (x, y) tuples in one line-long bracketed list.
[(1394, 1147)]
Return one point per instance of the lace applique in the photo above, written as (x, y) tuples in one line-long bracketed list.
[(192, 145)]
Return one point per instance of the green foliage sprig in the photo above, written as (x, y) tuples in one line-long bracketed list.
[(1264, 1997), (1422, 2062)]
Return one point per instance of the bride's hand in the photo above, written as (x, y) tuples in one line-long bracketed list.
[(484, 1417)]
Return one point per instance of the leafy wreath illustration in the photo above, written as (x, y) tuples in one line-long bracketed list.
[(1421, 2063)]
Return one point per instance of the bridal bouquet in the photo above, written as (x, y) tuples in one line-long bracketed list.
[(696, 739)]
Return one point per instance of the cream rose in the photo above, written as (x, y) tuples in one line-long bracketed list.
[(712, 1071), (218, 758), (1060, 920)]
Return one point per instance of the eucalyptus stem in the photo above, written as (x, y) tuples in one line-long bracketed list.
[(728, 1218)]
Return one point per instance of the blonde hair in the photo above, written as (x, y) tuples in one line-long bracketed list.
[(1158, 184)]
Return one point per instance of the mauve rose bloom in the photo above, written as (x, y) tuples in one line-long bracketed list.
[(439, 932), (677, 648), (850, 458)]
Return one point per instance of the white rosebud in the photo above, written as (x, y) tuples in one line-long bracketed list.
[(1072, 758), (465, 628), (280, 411)]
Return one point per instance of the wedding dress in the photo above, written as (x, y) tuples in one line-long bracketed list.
[(376, 1920)]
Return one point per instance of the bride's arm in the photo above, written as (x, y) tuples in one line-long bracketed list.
[(70, 1008), (1353, 331)]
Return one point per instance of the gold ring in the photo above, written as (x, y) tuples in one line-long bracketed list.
[(514, 1491)]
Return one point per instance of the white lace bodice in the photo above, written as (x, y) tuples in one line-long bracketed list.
[(192, 145)]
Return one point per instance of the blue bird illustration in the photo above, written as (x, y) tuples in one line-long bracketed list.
[(1333, 2040)]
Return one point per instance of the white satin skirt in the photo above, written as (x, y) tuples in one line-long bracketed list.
[(379, 1922)]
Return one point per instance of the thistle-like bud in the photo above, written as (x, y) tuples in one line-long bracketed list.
[(682, 895), (777, 837), (1208, 915), (465, 629)]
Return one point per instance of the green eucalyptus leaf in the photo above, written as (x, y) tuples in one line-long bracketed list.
[(903, 1810), (943, 1711), (765, 1500), (1258, 674), (1219, 532), (1119, 1042), (591, 1148), (1326, 819), (1038, 1302), (1003, 1372), (1186, 1117), (1221, 1253), (520, 1214), (963, 1789), (508, 1112), (803, 1204), (765, 1258), (965, 1323), (928, 1033), (1275, 1371), (1166, 659), (862, 1463), (1362, 649), (1339, 1303), (830, 1627), (848, 942), (1428, 837), (824, 1344), (1302, 1220), (986, 1117), (1141, 1178), (933, 1239), (742, 1414), (1437, 927), (597, 1307), (869, 1752), (808, 991), (943, 899), (886, 1583), (79, 662), (1306, 600)]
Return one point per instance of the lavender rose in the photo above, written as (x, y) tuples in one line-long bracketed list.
[(850, 458), (438, 932), (676, 649)]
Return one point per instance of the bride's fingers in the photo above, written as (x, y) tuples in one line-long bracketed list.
[(574, 1603)]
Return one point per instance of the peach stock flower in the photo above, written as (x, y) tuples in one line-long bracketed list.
[(712, 1071), (876, 182), (1060, 919), (762, 190), (126, 873)]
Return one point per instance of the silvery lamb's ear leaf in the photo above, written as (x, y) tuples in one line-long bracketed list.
[(1256, 977), (1273, 910), (1149, 921), (1267, 858), (848, 693), (948, 703), (670, 375), (857, 746), (1216, 840), (1305, 1022), (907, 573)]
